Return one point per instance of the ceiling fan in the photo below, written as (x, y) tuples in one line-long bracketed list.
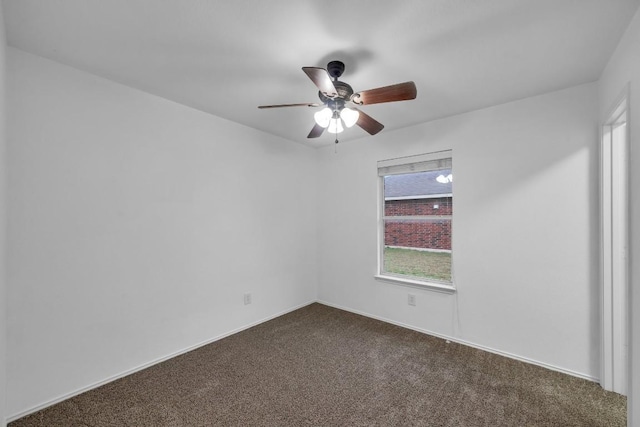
[(341, 102)]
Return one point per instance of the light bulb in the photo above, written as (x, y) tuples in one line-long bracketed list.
[(323, 117), (335, 126), (349, 116)]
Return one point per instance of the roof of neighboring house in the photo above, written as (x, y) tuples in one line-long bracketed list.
[(417, 184)]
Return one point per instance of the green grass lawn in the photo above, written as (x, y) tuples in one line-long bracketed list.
[(421, 264)]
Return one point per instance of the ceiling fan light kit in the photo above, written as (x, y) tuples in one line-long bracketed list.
[(335, 126), (323, 117), (340, 101), (336, 118), (349, 116)]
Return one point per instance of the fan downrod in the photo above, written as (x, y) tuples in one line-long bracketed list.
[(335, 69)]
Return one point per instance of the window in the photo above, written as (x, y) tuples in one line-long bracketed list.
[(416, 219)]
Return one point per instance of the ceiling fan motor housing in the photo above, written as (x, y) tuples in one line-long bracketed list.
[(335, 70), (344, 94)]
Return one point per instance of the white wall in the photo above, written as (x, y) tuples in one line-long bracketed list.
[(3, 219), (135, 226), (624, 68), (137, 223), (525, 229)]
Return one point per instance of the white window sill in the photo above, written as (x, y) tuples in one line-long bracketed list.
[(438, 287)]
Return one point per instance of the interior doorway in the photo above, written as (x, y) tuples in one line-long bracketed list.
[(615, 249)]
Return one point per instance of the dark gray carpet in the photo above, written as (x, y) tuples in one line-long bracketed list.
[(325, 367)]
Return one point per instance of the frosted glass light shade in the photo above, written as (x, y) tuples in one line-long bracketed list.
[(335, 126), (323, 117), (349, 116)]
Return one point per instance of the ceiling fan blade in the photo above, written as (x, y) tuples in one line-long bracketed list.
[(316, 131), (398, 92), (368, 123), (320, 77), (304, 104)]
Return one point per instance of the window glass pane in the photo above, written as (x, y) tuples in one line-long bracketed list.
[(417, 225), (420, 265), (432, 206), (428, 234)]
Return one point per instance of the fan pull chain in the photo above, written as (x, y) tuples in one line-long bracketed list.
[(335, 145)]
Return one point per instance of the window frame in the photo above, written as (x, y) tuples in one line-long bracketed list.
[(397, 166)]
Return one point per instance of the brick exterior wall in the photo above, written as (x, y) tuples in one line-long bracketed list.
[(433, 234)]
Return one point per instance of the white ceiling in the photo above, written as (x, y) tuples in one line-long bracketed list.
[(228, 57)]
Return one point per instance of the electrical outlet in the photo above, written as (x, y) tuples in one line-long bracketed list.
[(247, 299), (412, 299)]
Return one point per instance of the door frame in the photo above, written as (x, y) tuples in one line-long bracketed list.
[(614, 248)]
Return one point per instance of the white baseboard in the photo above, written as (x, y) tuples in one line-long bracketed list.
[(467, 343), (235, 331), (147, 365)]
